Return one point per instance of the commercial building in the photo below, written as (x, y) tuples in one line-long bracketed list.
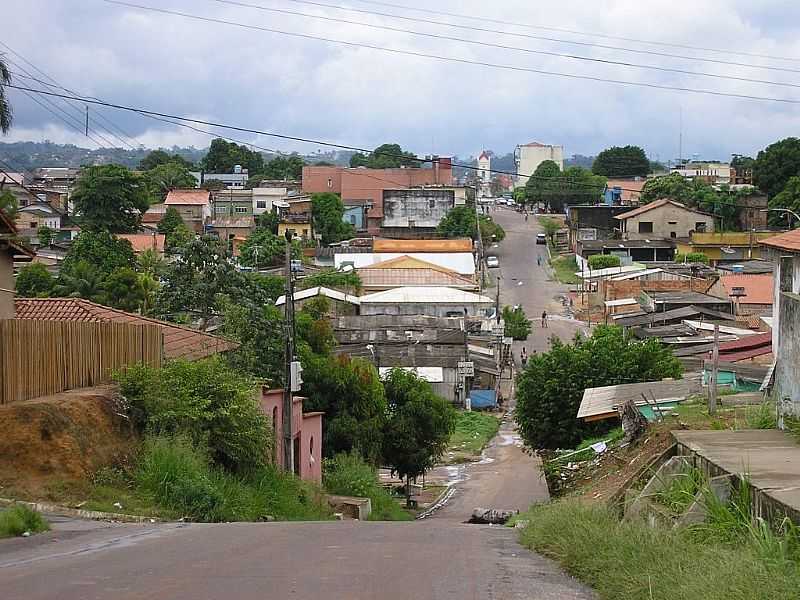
[(711, 172), (529, 156)]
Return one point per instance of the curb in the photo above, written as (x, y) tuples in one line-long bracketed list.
[(90, 515)]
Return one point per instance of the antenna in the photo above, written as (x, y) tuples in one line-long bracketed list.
[(680, 135)]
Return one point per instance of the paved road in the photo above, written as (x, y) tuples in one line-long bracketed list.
[(440, 557)]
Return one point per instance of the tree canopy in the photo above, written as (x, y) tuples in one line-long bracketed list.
[(550, 389), (788, 198), (100, 249), (460, 221), (165, 177), (222, 156), (776, 164), (556, 189), (262, 248), (621, 161), (156, 158), (110, 198), (603, 261), (34, 281), (328, 213), (9, 204), (385, 156)]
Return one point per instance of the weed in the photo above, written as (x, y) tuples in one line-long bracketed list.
[(680, 491), (473, 431), (19, 519), (564, 268), (762, 417)]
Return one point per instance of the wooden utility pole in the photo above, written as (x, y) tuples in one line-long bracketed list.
[(288, 446), (712, 382)]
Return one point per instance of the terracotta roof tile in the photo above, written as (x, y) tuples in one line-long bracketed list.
[(414, 277), (144, 241), (789, 240), (759, 289), (188, 197)]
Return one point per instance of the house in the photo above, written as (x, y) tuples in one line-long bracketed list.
[(193, 205), (367, 185), (140, 242), (528, 157), (230, 228), (445, 245), (433, 301), (663, 219), (624, 191), (629, 251), (237, 179), (414, 272), (265, 196), (724, 245), (153, 215), (415, 210), (751, 294), (62, 178), (784, 250), (306, 434), (35, 215), (232, 203), (180, 342), (462, 263), (355, 213), (9, 247), (296, 216), (709, 171), (593, 222)]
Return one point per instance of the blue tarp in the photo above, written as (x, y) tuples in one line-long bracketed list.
[(483, 398)]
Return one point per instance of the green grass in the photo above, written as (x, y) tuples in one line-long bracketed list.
[(632, 561), (19, 519), (564, 268), (473, 431), (680, 491), (349, 475)]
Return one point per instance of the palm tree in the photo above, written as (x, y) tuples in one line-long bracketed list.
[(5, 107), (83, 281)]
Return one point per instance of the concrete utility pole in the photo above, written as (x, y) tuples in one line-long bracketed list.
[(712, 382), (288, 446), (497, 302)]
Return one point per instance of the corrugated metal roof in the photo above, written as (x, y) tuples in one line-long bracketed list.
[(319, 291), (425, 295), (371, 277), (183, 197), (605, 400)]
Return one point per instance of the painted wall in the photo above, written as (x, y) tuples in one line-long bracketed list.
[(355, 216), (528, 158), (416, 208), (669, 221), (431, 310)]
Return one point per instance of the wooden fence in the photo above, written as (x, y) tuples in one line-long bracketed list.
[(38, 358)]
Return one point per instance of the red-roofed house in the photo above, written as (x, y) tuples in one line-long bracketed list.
[(179, 341), (145, 241), (194, 206)]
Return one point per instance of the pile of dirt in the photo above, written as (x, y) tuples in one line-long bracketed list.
[(67, 436)]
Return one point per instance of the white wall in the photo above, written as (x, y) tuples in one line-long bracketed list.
[(530, 157)]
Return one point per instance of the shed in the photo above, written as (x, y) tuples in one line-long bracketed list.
[(603, 402)]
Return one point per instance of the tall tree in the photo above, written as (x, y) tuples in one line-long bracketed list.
[(34, 281), (101, 250), (673, 186), (156, 158), (5, 106), (328, 213), (110, 198), (776, 164), (223, 156), (165, 177), (621, 161), (459, 221), (385, 156)]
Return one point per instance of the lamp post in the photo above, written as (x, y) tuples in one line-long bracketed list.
[(782, 210)]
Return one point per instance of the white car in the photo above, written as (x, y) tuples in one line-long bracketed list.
[(492, 262)]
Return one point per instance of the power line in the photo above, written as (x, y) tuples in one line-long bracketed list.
[(505, 47), (539, 37), (457, 60), (576, 32)]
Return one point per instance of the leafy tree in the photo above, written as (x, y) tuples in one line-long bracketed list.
[(268, 221), (518, 326), (603, 261), (419, 426), (550, 389), (385, 156), (313, 330), (5, 106), (741, 162), (123, 290), (574, 185), (180, 236), (327, 212), (8, 201), (691, 257), (347, 281), (259, 330), (673, 186), (110, 198), (170, 221), (34, 281), (45, 235), (776, 164), (460, 221), (165, 177), (82, 280), (149, 287), (156, 158), (262, 248), (223, 156), (350, 393), (788, 198), (150, 262), (100, 249), (284, 168), (621, 161), (551, 226), (489, 228), (270, 287)]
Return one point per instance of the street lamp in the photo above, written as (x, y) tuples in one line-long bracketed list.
[(783, 210)]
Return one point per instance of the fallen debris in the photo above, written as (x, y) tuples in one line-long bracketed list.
[(491, 516)]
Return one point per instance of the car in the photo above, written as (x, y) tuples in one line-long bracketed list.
[(541, 238), (492, 262)]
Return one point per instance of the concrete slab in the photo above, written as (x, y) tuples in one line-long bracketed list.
[(769, 458)]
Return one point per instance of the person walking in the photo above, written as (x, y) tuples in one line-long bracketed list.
[(524, 358), (544, 319), (539, 259)]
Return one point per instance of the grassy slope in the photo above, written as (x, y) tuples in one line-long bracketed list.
[(631, 561), (473, 432), (564, 268)]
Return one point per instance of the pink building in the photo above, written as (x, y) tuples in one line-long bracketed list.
[(306, 432), (361, 185)]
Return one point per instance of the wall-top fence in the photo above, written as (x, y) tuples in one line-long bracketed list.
[(38, 358)]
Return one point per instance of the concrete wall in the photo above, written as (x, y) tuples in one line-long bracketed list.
[(6, 283), (631, 288), (530, 157), (431, 310), (355, 216), (416, 208), (669, 221)]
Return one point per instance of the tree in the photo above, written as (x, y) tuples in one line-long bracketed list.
[(621, 161), (100, 249), (259, 331), (123, 290), (741, 162), (5, 106), (110, 198), (551, 227), (349, 392), (149, 286), (34, 281), (419, 426), (9, 204), (348, 281), (165, 177), (691, 257), (327, 211), (82, 280), (150, 262), (385, 156), (269, 221), (776, 164), (603, 261), (517, 324), (222, 156), (491, 230), (45, 235), (170, 221), (550, 389), (156, 158), (574, 185), (673, 186), (788, 198), (262, 248), (459, 222), (284, 168)]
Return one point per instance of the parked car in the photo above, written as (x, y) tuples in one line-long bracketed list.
[(541, 238), (492, 262)]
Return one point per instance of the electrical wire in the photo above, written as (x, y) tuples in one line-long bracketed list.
[(458, 60), (506, 47)]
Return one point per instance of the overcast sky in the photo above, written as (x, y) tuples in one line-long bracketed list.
[(364, 97)]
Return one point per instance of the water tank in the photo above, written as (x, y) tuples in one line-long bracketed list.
[(738, 269), (237, 169)]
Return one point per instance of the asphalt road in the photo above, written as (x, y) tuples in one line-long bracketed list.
[(439, 557)]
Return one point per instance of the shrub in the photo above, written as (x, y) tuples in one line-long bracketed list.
[(691, 257), (603, 261), (19, 519), (517, 324)]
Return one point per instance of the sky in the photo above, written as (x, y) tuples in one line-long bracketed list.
[(359, 96)]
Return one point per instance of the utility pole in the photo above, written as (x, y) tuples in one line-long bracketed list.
[(288, 446), (497, 302), (87, 120), (712, 383)]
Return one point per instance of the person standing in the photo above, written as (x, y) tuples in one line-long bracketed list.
[(524, 357), (544, 319)]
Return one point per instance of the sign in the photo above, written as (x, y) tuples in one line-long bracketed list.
[(466, 369)]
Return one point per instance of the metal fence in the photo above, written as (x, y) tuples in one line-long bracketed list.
[(38, 358)]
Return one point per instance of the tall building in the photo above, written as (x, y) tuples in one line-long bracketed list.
[(529, 156), (484, 167)]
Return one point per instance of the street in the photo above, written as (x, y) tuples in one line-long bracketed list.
[(438, 557)]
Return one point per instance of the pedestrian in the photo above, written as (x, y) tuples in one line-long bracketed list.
[(524, 357), (544, 319), (539, 259), (526, 217)]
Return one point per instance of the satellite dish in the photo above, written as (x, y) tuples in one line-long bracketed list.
[(728, 250)]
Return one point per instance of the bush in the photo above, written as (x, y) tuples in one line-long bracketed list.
[(603, 261), (691, 257), (518, 326), (34, 281), (19, 519), (206, 400), (349, 475)]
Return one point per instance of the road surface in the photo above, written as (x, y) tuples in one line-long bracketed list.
[(440, 557)]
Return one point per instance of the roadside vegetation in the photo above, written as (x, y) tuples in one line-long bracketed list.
[(564, 269), (19, 520), (472, 432), (517, 324)]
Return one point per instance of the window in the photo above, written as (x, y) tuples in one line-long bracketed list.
[(240, 209), (673, 235), (330, 182), (700, 227), (261, 204), (672, 222), (352, 219), (645, 227), (34, 225)]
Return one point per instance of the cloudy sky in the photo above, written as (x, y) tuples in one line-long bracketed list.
[(360, 96)]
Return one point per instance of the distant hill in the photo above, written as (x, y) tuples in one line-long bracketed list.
[(579, 160)]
